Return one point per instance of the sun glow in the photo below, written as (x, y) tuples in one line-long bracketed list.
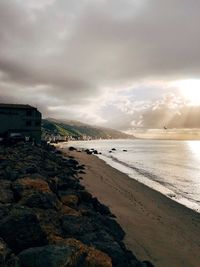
[(190, 90)]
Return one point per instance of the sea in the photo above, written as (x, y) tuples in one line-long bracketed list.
[(170, 167)]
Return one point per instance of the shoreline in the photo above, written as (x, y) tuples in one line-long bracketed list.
[(157, 228), (156, 186), (47, 218)]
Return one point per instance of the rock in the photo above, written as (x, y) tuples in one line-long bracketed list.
[(97, 258), (88, 256), (32, 169), (77, 227), (49, 218), (146, 264), (69, 184), (47, 256), (82, 172), (66, 210), (6, 194), (114, 251), (7, 257), (113, 149), (73, 162), (58, 152), (81, 167), (89, 151), (70, 200), (101, 208), (41, 200), (71, 148), (112, 227), (21, 229), (124, 150), (26, 185), (84, 195), (4, 210)]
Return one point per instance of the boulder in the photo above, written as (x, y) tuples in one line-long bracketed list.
[(71, 148), (112, 227), (101, 208), (26, 185), (21, 229), (114, 251), (84, 195), (70, 200), (31, 169), (87, 256), (41, 200), (77, 227), (6, 194), (7, 258), (47, 256), (66, 210)]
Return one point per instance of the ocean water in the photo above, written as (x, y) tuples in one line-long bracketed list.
[(170, 167)]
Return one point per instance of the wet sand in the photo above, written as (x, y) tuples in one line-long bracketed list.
[(157, 228)]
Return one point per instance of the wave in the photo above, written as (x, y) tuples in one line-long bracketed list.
[(152, 181)]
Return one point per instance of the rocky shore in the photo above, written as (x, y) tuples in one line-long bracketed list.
[(47, 218)]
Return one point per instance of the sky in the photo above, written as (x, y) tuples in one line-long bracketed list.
[(124, 64)]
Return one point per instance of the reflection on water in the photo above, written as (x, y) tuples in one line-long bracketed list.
[(194, 147), (171, 167)]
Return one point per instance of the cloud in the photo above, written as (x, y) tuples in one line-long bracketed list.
[(99, 61)]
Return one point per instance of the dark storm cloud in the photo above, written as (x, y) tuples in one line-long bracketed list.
[(72, 50)]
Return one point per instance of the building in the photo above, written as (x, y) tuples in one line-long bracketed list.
[(20, 119)]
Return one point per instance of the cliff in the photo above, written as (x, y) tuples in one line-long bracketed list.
[(79, 130)]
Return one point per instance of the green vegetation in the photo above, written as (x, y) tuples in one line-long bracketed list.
[(79, 130)]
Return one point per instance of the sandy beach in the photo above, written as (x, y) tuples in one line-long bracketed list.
[(157, 228)]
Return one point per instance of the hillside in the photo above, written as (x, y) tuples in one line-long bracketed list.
[(78, 130)]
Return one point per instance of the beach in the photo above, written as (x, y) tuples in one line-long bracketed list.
[(157, 228)]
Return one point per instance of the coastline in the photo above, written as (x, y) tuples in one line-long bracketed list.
[(47, 218), (157, 228)]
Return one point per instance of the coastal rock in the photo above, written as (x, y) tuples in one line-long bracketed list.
[(112, 227), (21, 229), (70, 200), (87, 256), (78, 226), (66, 210), (6, 194), (32, 169), (71, 148), (84, 195), (114, 251), (68, 183), (69, 253), (48, 217), (26, 185), (73, 162), (146, 264), (89, 152), (101, 208), (7, 257), (47, 256), (41, 200)]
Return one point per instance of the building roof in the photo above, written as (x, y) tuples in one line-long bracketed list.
[(19, 106)]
